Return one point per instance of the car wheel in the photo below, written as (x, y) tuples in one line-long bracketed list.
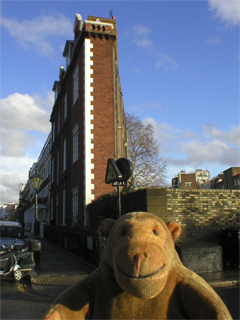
[(17, 275)]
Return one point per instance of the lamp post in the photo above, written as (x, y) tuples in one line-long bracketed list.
[(36, 180)]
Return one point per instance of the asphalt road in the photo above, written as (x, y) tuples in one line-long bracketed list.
[(231, 298), (19, 301)]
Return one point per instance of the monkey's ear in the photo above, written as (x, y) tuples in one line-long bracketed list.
[(174, 228), (106, 226)]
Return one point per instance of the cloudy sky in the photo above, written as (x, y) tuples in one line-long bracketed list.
[(179, 70)]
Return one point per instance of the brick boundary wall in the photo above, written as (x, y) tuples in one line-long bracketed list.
[(202, 213)]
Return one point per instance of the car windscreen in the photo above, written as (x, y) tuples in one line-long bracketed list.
[(11, 232)]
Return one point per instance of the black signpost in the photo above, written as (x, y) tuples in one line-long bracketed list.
[(118, 172)]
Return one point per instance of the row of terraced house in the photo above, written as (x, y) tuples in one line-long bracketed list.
[(87, 127)]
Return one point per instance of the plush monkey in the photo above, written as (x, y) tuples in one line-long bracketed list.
[(140, 277)]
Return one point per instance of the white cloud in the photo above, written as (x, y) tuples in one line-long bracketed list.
[(9, 188), (13, 172), (212, 149), (140, 37), (166, 135), (24, 128), (14, 142), (166, 62), (226, 10), (231, 137), (23, 112), (37, 34)]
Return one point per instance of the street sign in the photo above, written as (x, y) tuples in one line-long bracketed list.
[(118, 171), (113, 173), (125, 167)]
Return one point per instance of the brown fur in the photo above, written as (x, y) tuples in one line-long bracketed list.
[(140, 277)]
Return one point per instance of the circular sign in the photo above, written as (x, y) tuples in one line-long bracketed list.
[(125, 167)]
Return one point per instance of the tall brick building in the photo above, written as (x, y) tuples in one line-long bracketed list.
[(88, 120)]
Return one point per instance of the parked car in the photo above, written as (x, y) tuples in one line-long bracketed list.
[(16, 258), (12, 230)]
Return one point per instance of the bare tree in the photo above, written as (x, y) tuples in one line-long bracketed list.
[(148, 168)]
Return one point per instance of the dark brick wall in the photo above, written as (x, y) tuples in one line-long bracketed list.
[(201, 213)]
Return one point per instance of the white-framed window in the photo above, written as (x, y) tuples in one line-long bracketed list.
[(75, 143), (75, 205), (64, 206), (65, 106), (75, 84), (64, 153), (188, 184)]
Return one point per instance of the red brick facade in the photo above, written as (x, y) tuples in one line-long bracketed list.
[(94, 128)]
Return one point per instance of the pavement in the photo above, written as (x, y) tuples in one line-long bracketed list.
[(58, 269)]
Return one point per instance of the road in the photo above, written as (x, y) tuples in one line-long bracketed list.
[(19, 301), (230, 296)]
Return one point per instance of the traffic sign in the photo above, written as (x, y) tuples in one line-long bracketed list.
[(125, 167), (118, 171), (113, 173)]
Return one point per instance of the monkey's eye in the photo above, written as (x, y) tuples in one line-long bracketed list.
[(124, 232), (155, 232)]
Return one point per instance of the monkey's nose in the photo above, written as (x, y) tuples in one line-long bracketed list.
[(139, 257), (138, 260)]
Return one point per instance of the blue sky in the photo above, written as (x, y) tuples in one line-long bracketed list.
[(179, 70)]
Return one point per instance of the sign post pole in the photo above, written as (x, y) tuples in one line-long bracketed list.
[(118, 172), (119, 200)]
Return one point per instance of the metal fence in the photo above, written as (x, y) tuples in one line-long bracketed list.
[(85, 246)]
